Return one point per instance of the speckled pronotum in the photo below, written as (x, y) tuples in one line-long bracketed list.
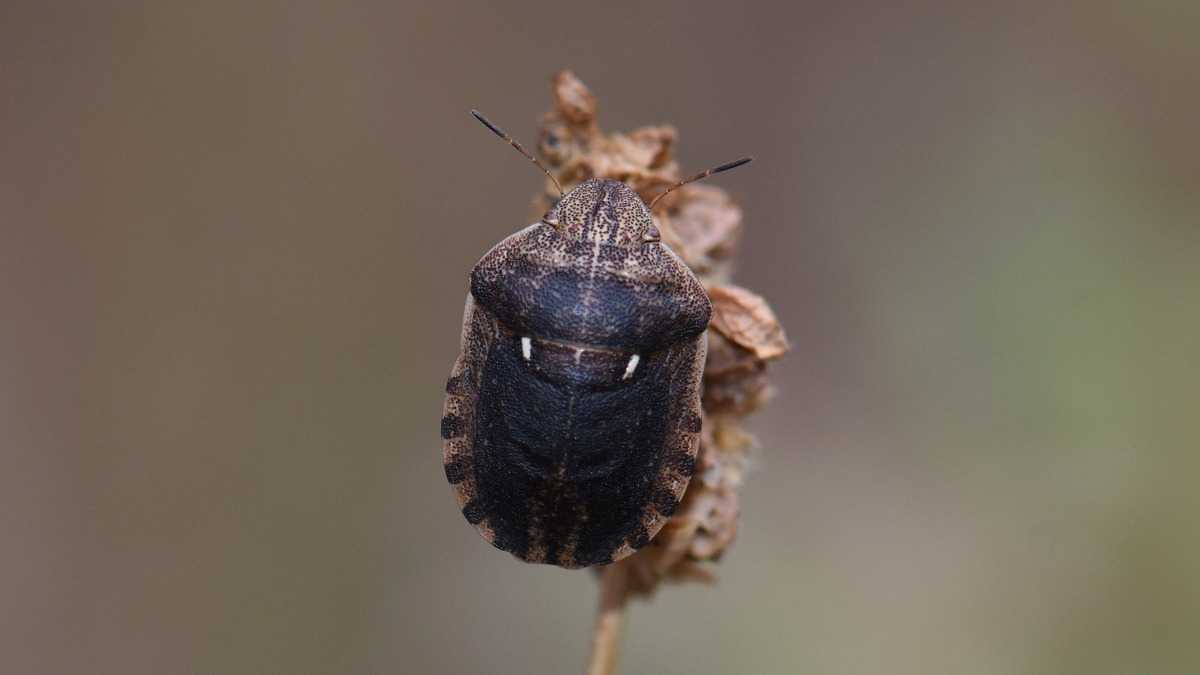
[(572, 415)]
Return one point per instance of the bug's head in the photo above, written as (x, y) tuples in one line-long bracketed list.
[(606, 211), (600, 210)]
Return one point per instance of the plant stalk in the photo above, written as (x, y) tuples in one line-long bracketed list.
[(610, 613)]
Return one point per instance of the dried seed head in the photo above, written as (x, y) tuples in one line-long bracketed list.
[(703, 225)]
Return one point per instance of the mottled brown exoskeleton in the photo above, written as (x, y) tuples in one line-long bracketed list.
[(572, 415)]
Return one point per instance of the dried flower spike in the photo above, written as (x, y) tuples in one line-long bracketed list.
[(703, 225)]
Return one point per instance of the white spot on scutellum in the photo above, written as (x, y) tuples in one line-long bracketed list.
[(631, 366), (526, 347)]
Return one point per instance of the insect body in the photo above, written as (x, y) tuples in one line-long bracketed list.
[(572, 417)]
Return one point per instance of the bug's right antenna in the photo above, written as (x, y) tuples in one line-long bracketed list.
[(700, 176), (521, 149)]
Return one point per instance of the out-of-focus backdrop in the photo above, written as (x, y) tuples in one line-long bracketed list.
[(234, 240)]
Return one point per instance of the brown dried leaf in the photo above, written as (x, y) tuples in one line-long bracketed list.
[(574, 101), (651, 146), (735, 380), (747, 320), (703, 225), (556, 142)]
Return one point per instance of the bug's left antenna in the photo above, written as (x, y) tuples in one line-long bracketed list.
[(520, 148), (701, 176)]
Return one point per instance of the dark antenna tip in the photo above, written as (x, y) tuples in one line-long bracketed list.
[(733, 165), (485, 122), (702, 175), (520, 148)]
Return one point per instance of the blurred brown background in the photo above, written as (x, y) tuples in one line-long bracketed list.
[(234, 241)]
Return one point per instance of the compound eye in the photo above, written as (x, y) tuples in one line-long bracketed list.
[(652, 235), (551, 219)]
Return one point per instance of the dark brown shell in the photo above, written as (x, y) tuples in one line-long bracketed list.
[(572, 416)]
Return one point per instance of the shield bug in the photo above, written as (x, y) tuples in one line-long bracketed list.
[(572, 415)]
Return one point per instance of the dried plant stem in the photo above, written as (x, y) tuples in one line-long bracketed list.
[(606, 635), (702, 224)]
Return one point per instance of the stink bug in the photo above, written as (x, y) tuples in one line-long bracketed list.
[(572, 416)]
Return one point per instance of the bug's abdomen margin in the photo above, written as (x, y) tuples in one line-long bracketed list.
[(574, 456)]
